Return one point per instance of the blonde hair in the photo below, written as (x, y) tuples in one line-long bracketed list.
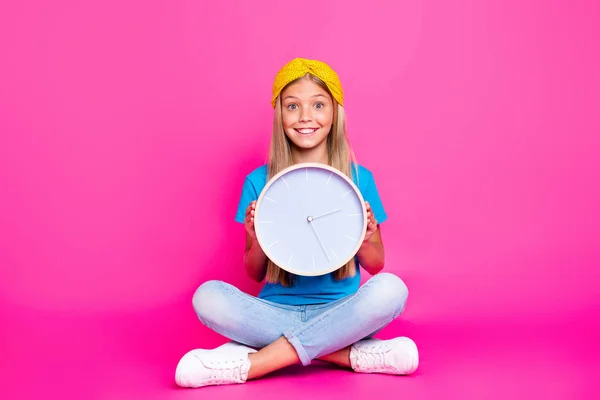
[(339, 155)]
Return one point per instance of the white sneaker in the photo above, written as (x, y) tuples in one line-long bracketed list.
[(234, 345), (223, 366), (398, 356)]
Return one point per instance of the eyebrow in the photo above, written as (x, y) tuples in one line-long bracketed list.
[(314, 95)]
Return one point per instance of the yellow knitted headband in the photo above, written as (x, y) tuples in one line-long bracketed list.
[(299, 67)]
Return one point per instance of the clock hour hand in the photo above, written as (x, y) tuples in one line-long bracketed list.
[(330, 212), (319, 239)]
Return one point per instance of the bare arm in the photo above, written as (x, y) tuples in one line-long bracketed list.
[(255, 260), (371, 255)]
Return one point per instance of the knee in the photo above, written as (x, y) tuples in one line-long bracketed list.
[(389, 294), (209, 301)]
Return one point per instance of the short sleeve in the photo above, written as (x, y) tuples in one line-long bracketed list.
[(371, 194), (249, 194)]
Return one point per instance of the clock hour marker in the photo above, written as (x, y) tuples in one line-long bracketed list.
[(270, 199), (290, 260), (347, 193), (328, 179), (274, 243), (350, 237), (266, 222), (284, 181), (307, 174), (336, 256), (314, 262)]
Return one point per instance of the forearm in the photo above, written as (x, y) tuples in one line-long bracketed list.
[(371, 257), (255, 262)]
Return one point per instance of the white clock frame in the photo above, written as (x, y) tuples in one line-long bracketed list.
[(265, 247)]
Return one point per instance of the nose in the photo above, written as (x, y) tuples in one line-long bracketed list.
[(305, 114)]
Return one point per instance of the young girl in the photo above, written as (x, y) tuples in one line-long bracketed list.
[(298, 318)]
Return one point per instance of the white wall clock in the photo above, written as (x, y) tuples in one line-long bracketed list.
[(310, 219)]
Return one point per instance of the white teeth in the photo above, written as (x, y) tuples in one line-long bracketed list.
[(305, 131)]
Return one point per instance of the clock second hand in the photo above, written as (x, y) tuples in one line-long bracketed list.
[(319, 239)]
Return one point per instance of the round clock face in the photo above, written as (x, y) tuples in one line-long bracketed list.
[(310, 219)]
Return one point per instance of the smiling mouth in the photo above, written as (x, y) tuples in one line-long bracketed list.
[(306, 131)]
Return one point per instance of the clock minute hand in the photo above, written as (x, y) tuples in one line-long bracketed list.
[(319, 239), (330, 212)]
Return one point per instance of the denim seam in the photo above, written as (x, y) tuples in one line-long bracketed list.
[(300, 350), (400, 311), (313, 323)]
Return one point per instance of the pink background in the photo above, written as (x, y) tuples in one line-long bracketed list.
[(126, 129)]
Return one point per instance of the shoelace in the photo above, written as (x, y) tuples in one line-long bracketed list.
[(374, 355), (225, 370)]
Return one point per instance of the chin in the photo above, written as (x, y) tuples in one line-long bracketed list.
[(308, 146)]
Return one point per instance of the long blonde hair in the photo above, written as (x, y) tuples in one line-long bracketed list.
[(339, 155)]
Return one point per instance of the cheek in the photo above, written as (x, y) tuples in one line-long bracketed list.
[(287, 121), (325, 120)]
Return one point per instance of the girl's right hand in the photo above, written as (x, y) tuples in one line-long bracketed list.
[(249, 221)]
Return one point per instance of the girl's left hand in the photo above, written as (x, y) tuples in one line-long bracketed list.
[(371, 222)]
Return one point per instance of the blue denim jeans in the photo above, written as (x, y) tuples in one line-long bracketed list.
[(313, 330)]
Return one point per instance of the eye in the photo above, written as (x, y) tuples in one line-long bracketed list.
[(319, 105), (292, 107)]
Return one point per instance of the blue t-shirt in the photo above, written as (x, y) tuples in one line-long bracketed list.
[(311, 289)]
